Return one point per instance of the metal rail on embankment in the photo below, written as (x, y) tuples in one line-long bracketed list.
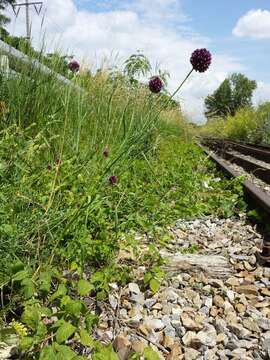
[(21, 58), (254, 194)]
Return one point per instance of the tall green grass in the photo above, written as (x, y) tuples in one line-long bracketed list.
[(54, 175), (56, 196)]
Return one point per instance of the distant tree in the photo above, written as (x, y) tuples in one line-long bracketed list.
[(234, 93)]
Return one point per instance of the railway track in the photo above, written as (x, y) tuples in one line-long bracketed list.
[(255, 161)]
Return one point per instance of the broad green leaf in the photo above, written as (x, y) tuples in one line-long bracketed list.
[(105, 353), (86, 339), (44, 311), (17, 267), (47, 353), (101, 295), (65, 299), (45, 279), (147, 277), (61, 291), (64, 332), (26, 343), (58, 323), (31, 317), (97, 277), (64, 353), (134, 356), (73, 307), (41, 331), (154, 285), (28, 288), (84, 287), (150, 354), (21, 275), (90, 321)]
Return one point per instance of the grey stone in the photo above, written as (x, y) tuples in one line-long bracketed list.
[(150, 302), (264, 323), (134, 288), (169, 331)]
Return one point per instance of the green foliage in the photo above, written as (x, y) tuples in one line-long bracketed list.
[(105, 353), (59, 212), (135, 66), (84, 287), (150, 354), (233, 94), (248, 124), (154, 274), (191, 249)]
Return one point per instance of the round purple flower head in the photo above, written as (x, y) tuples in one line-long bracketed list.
[(155, 84), (113, 180), (201, 60), (74, 66)]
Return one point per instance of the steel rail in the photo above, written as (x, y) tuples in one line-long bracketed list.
[(254, 195), (258, 152), (259, 171), (8, 50)]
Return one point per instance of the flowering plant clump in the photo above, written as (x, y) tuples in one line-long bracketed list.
[(201, 60), (155, 84), (74, 66), (113, 180)]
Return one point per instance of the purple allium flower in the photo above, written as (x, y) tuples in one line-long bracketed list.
[(113, 180), (155, 84), (106, 152), (201, 60), (74, 66)]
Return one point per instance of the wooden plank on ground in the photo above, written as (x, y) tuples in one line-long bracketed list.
[(213, 266)]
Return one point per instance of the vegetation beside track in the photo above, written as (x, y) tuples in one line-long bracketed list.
[(248, 124), (79, 172)]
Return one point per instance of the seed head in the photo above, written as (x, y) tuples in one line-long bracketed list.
[(201, 60), (113, 180), (74, 66), (106, 152), (155, 84)]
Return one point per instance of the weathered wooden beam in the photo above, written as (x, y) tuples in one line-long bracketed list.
[(213, 266)]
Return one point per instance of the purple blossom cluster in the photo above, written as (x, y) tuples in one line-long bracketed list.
[(113, 180), (201, 60), (74, 66), (155, 84)]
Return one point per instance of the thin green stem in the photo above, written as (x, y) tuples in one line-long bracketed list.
[(182, 83)]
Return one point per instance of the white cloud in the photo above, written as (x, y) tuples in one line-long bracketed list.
[(92, 35), (254, 24), (262, 93)]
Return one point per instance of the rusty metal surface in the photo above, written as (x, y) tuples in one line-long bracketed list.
[(250, 166), (257, 151), (254, 195)]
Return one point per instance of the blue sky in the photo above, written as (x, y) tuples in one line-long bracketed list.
[(237, 32), (216, 19)]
